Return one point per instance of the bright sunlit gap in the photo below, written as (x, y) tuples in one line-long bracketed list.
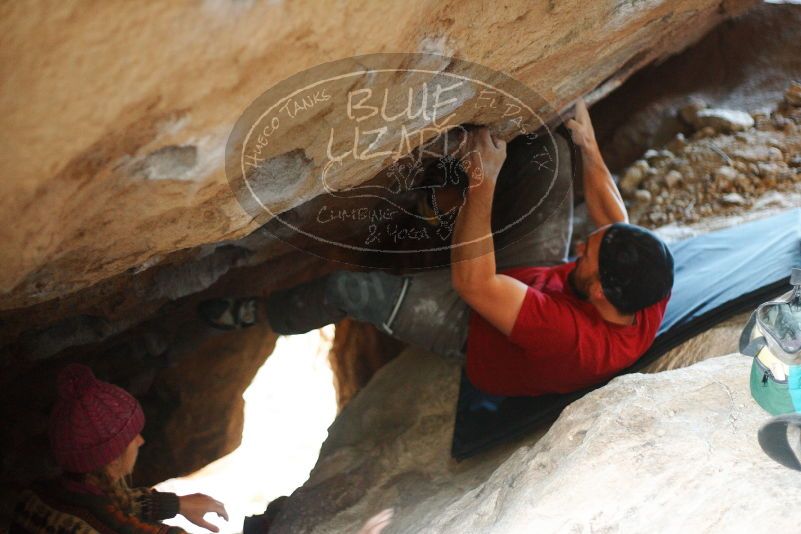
[(288, 409)]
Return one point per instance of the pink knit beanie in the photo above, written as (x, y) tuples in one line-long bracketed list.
[(92, 422)]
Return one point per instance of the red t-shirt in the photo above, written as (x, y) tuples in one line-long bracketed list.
[(559, 343)]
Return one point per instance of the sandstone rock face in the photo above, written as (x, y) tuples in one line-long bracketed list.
[(359, 350), (119, 119), (675, 451)]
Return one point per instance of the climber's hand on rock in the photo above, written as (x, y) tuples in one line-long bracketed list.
[(194, 507), (581, 126), (485, 158)]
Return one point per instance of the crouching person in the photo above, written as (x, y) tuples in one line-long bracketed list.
[(95, 437)]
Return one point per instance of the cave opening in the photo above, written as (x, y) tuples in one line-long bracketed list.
[(289, 406)]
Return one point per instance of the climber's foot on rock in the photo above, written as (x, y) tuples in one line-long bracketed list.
[(231, 313)]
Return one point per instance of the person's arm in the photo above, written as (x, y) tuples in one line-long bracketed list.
[(495, 297), (604, 203), (151, 505)]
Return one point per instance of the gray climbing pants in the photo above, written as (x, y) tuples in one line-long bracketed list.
[(423, 309)]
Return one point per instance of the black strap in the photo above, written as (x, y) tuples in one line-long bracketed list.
[(773, 440)]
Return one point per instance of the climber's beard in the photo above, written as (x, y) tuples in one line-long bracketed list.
[(577, 284)]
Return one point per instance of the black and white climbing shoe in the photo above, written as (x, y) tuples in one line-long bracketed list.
[(229, 314)]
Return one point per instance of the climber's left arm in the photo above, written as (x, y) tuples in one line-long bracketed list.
[(496, 297)]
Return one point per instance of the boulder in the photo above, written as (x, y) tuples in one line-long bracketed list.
[(357, 352), (101, 189), (673, 451)]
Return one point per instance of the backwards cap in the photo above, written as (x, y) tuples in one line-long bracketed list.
[(635, 267)]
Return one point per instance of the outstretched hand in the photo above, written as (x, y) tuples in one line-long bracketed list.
[(581, 126), (194, 507), (486, 155)]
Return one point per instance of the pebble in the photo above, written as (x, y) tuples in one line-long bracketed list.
[(779, 122), (775, 154), (658, 157), (755, 153), (724, 120), (689, 113), (745, 182), (672, 179), (771, 170), (643, 196), (632, 179), (732, 199), (678, 143), (706, 131), (725, 173), (793, 94), (772, 199)]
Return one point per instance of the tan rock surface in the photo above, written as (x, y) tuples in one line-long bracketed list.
[(670, 452), (359, 350), (116, 115)]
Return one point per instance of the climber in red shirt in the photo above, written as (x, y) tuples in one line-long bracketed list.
[(527, 321), (558, 329)]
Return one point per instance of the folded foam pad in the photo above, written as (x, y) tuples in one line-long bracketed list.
[(717, 276)]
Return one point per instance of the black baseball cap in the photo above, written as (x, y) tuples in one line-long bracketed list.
[(635, 267)]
